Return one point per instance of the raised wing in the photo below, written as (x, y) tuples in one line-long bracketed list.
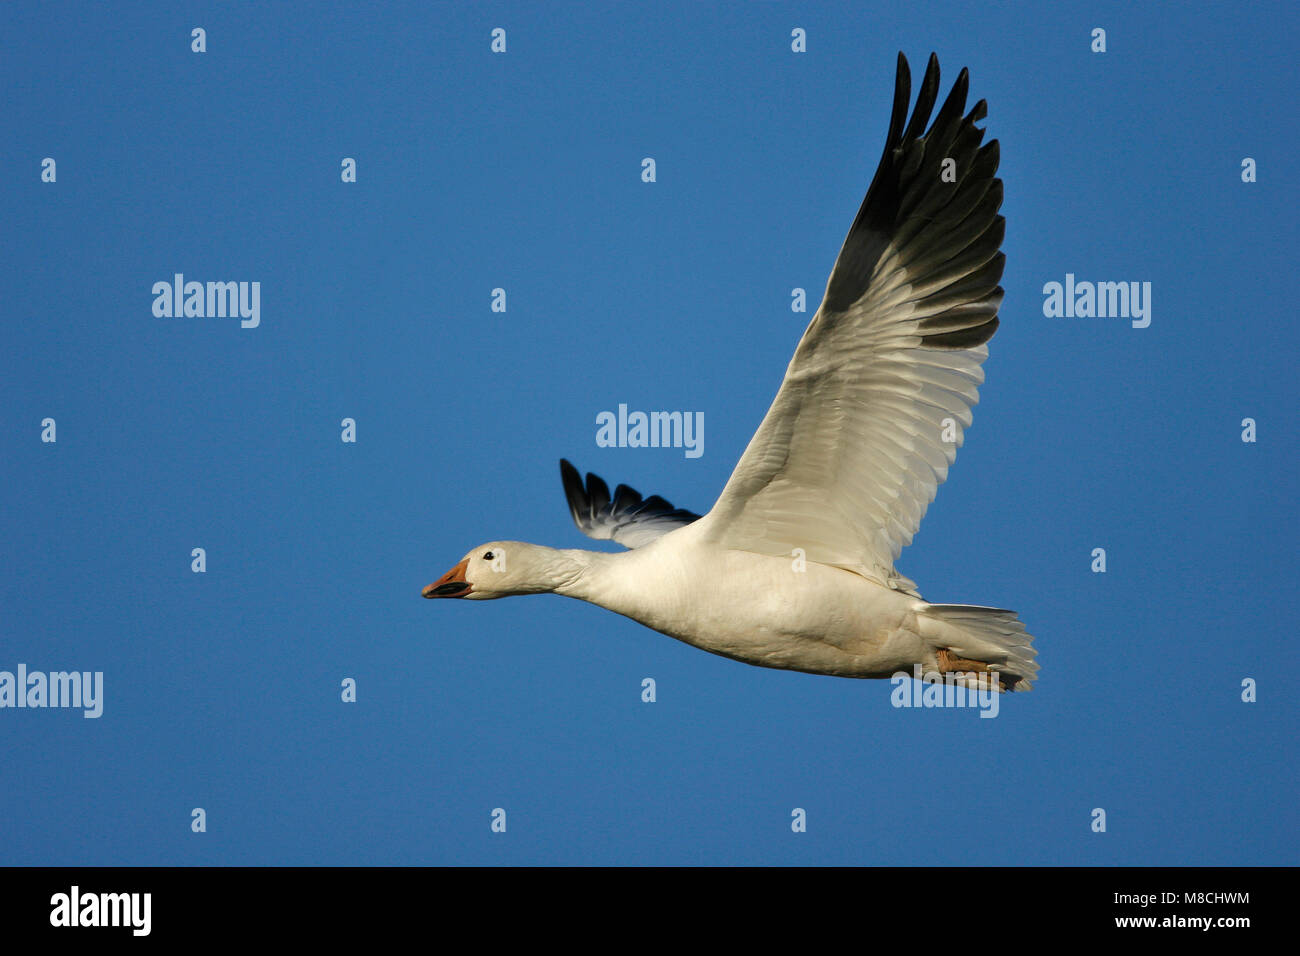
[(626, 518), (880, 389)]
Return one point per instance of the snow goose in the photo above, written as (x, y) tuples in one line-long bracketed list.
[(794, 565)]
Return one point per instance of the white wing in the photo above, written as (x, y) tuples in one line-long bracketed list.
[(880, 389), (625, 518)]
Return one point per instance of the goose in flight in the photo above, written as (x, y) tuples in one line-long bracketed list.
[(794, 565)]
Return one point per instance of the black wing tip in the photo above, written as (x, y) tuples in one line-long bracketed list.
[(967, 338), (570, 476), (930, 80), (902, 100), (911, 150), (925, 100), (592, 506), (931, 77), (597, 493), (574, 494), (589, 500), (901, 129)]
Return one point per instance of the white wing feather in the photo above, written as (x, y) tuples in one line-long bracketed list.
[(880, 390)]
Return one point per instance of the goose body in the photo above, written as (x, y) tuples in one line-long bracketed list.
[(793, 566), (756, 608)]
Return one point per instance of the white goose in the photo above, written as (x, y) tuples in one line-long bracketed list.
[(793, 567)]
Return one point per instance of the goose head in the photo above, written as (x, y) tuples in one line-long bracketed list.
[(503, 568)]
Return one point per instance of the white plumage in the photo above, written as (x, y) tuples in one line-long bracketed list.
[(794, 565)]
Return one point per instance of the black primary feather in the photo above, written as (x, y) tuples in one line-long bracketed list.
[(626, 517), (946, 233)]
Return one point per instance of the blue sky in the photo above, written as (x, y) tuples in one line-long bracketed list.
[(522, 171)]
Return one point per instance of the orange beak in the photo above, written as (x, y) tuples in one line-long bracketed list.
[(452, 584)]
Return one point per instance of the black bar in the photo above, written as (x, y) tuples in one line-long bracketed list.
[(335, 905)]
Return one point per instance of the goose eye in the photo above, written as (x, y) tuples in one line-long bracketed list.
[(488, 556)]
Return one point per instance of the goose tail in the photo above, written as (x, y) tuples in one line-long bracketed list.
[(980, 641)]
